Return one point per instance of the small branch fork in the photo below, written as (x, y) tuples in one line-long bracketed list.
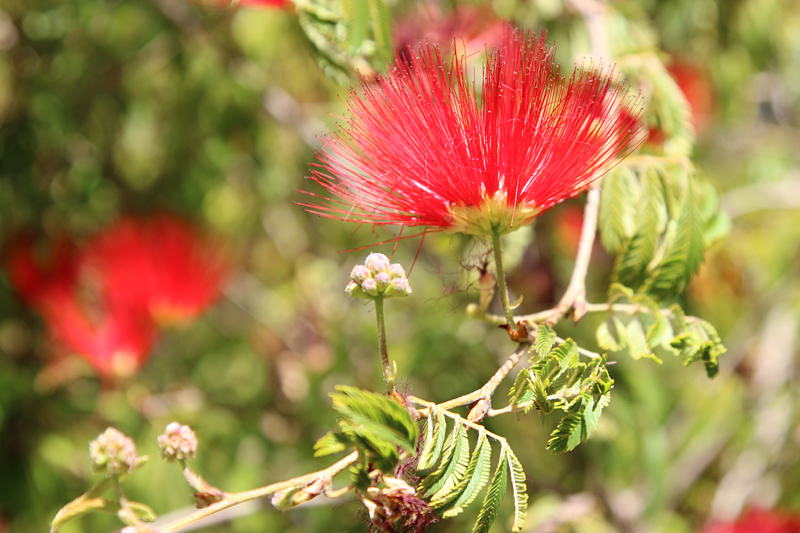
[(482, 398)]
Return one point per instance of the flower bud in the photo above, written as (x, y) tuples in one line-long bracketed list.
[(360, 273), (351, 287), (398, 288), (377, 263), (113, 452), (397, 271), (382, 281), (370, 286), (177, 442)]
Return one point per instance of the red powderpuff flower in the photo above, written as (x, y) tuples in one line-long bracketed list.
[(264, 3), (34, 276), (758, 521), (247, 3), (160, 266), (116, 342), (430, 146)]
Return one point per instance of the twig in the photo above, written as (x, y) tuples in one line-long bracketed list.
[(485, 392), (593, 13), (575, 295), (232, 499), (543, 316)]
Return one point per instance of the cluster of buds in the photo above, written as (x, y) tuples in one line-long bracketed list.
[(177, 442), (376, 278), (113, 452)]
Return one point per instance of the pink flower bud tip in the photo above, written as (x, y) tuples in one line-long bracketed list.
[(177, 442)]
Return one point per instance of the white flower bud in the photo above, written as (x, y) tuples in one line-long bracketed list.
[(112, 451), (397, 271), (377, 263), (370, 287), (360, 273), (177, 442), (382, 281)]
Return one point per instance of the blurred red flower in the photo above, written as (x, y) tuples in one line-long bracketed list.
[(476, 27), (430, 146), (696, 87), (103, 301), (116, 342), (160, 266), (35, 275), (758, 521), (262, 3), (245, 3)]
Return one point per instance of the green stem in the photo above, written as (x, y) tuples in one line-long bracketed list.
[(388, 371), (126, 514), (501, 279)]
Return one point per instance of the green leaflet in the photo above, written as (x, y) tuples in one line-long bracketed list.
[(476, 477), (545, 339), (521, 393), (495, 494), (435, 432), (381, 29), (578, 426), (376, 415), (684, 255), (434, 481), (650, 331), (659, 217), (356, 17), (458, 480), (617, 208), (347, 35), (518, 491), (461, 475), (442, 490), (567, 434), (376, 426), (640, 249), (330, 443)]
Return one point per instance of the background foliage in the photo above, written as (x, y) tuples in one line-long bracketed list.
[(110, 107)]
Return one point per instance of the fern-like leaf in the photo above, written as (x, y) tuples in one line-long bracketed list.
[(477, 475), (567, 434), (330, 443), (641, 248), (444, 490), (518, 491), (545, 339), (617, 208), (449, 459), (494, 495), (431, 453)]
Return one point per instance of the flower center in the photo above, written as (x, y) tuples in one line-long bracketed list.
[(492, 215)]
